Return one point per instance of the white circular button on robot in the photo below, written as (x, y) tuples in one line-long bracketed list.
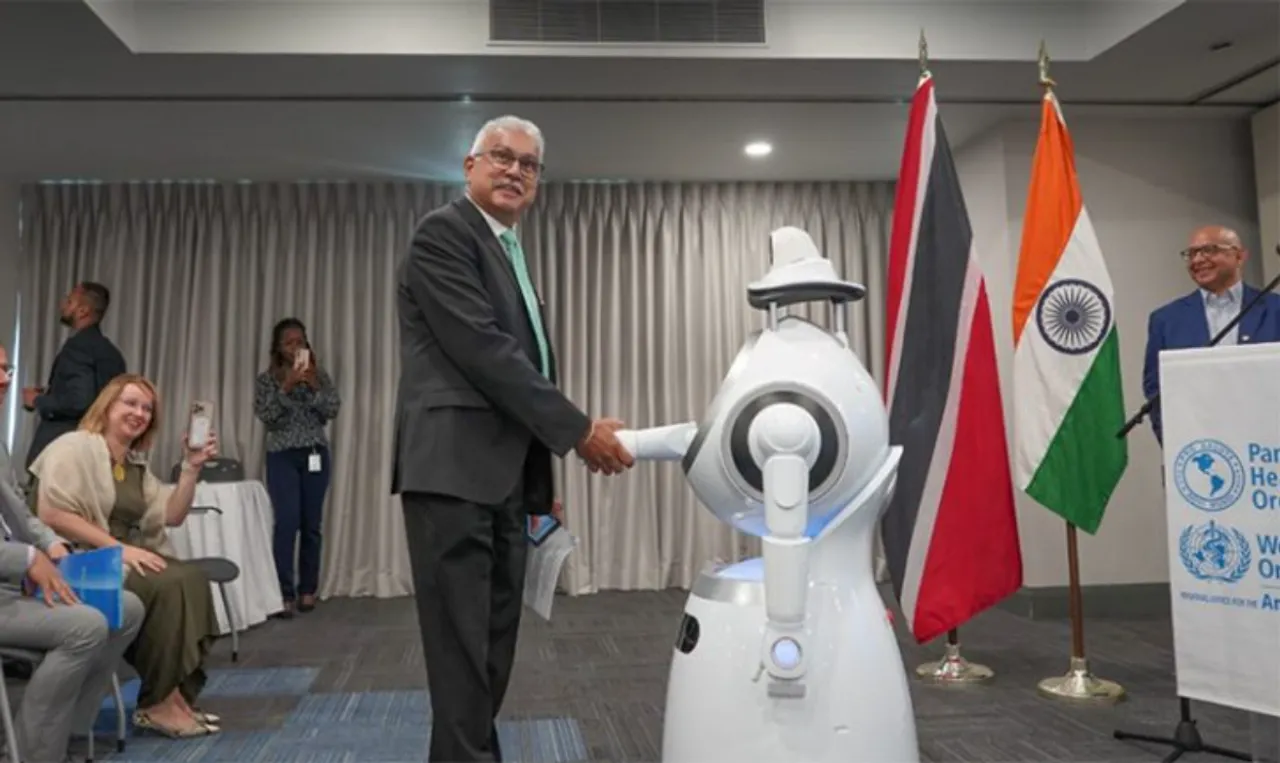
[(786, 654)]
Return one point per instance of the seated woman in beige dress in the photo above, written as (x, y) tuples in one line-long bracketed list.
[(93, 487)]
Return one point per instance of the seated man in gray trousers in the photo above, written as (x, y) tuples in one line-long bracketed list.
[(65, 691)]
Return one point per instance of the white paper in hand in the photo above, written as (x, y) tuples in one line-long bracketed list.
[(549, 547)]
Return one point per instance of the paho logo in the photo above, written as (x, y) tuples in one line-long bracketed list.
[(1209, 475)]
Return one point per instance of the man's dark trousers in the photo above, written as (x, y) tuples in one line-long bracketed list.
[(468, 563)]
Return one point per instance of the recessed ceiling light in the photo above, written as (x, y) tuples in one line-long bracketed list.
[(758, 149)]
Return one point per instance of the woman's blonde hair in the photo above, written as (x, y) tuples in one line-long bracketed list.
[(95, 419)]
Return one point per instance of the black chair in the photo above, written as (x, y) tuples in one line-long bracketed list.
[(222, 571), (34, 658), (215, 470)]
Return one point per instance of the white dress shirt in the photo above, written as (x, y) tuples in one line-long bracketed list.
[(1221, 309)]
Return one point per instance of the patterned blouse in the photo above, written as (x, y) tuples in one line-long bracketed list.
[(296, 419)]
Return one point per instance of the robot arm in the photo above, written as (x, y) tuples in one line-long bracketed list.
[(667, 443), (785, 440)]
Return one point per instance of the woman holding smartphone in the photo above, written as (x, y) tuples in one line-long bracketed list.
[(296, 400)]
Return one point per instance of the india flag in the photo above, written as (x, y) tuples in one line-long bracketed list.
[(1068, 403)]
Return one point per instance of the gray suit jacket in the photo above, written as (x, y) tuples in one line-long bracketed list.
[(23, 524), (474, 414)]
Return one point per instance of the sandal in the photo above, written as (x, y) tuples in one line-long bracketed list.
[(143, 722)]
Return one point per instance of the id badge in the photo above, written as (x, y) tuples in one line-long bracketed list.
[(313, 463)]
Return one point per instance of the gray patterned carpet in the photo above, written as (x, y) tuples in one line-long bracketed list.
[(344, 684)]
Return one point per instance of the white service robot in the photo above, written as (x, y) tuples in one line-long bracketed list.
[(789, 657)]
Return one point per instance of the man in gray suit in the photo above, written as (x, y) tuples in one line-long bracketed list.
[(65, 691), (478, 416)]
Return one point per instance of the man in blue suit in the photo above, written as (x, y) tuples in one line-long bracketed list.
[(1215, 258)]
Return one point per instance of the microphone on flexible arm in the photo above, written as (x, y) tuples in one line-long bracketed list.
[(1146, 407)]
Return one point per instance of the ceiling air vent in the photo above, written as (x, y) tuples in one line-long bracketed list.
[(627, 21)]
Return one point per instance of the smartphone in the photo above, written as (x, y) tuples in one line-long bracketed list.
[(201, 424), (302, 359)]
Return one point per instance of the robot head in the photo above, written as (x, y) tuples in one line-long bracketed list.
[(791, 361), (799, 273)]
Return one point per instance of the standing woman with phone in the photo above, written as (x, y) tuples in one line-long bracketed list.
[(296, 399)]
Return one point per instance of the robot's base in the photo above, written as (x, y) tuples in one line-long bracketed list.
[(856, 708)]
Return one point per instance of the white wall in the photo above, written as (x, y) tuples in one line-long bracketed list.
[(1266, 163), (1147, 184), (8, 288)]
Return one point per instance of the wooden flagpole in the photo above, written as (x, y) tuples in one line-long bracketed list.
[(1079, 684)]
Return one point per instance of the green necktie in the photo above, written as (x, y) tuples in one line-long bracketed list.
[(516, 253)]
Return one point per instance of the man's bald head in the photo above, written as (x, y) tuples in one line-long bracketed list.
[(1216, 234), (1215, 257)]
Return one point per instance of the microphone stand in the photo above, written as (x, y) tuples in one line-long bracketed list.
[(1186, 736)]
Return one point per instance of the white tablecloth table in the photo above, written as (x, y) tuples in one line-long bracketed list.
[(241, 533)]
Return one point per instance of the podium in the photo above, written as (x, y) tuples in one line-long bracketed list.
[(1221, 416)]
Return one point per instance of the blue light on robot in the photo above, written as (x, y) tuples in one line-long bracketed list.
[(786, 654), (753, 523)]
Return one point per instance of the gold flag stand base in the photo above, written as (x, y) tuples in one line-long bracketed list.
[(1082, 686), (954, 670), (1079, 685)]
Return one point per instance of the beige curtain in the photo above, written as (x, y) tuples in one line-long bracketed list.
[(645, 290)]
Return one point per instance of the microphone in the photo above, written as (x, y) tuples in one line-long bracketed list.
[(1147, 406)]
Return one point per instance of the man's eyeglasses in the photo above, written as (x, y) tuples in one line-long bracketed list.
[(7, 370), (503, 159), (1208, 250)]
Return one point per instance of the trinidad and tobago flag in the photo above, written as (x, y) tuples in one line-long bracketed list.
[(951, 533)]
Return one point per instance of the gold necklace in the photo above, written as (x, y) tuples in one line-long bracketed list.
[(117, 471)]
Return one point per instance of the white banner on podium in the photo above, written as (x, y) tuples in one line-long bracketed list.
[(1221, 415)]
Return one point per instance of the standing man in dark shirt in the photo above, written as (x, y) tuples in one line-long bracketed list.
[(84, 365)]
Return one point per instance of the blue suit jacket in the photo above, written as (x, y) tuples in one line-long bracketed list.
[(1181, 325)]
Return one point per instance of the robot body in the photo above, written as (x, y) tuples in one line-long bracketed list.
[(856, 707), (789, 656)]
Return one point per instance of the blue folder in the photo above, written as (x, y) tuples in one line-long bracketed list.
[(97, 577)]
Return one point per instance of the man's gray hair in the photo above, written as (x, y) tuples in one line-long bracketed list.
[(512, 124)]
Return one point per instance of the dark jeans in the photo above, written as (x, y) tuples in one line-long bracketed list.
[(297, 494)]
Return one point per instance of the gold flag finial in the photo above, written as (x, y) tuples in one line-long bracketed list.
[(1045, 80), (924, 54)]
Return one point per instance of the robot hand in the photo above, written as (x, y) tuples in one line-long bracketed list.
[(668, 443)]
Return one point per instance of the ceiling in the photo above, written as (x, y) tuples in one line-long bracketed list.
[(77, 99)]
